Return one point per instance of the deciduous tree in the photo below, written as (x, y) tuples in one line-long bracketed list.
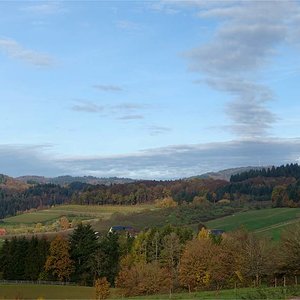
[(102, 288), (290, 250), (143, 279), (59, 262)]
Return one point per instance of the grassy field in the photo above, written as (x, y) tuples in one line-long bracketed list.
[(26, 291), (183, 215), (26, 222), (33, 217), (268, 222), (265, 222), (100, 211), (86, 211), (244, 293)]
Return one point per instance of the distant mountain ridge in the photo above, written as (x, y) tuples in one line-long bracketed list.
[(67, 179), (226, 174), (255, 186)]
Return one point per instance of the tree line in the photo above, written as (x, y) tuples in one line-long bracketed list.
[(157, 260), (80, 259), (280, 185), (289, 170), (47, 195)]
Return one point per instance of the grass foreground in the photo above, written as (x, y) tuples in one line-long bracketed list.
[(35, 291), (31, 291)]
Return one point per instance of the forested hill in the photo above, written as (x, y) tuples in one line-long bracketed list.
[(9, 183), (227, 173), (44, 195), (289, 170), (274, 186), (67, 179)]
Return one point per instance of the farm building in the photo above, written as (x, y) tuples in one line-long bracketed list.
[(123, 229), (216, 231)]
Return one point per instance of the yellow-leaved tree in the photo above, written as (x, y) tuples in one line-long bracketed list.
[(58, 262), (102, 288), (165, 202)]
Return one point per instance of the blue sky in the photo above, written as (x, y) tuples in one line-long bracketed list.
[(148, 89)]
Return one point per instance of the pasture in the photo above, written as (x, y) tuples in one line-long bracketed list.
[(49, 218), (41, 216), (265, 222), (32, 291), (268, 222)]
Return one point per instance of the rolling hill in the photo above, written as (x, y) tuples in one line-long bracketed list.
[(226, 174), (67, 179), (269, 222)]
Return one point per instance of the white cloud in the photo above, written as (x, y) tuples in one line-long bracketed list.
[(245, 42), (88, 107), (128, 25), (44, 8), (18, 160), (131, 117), (123, 111), (160, 163), (189, 160), (108, 87), (156, 130), (15, 50)]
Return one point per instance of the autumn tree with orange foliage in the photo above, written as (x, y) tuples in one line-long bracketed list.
[(194, 265), (254, 257), (102, 288), (136, 279), (205, 264), (166, 202), (58, 262)]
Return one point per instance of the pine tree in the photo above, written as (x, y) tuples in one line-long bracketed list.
[(83, 243)]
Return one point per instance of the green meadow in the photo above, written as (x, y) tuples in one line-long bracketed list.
[(268, 222), (265, 222), (34, 291), (26, 222), (31, 291)]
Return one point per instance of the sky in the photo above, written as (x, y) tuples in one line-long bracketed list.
[(148, 89)]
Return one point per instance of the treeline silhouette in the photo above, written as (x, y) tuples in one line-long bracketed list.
[(289, 170)]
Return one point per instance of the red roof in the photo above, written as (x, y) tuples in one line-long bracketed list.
[(2, 231)]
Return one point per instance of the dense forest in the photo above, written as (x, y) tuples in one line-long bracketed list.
[(278, 186), (157, 260), (289, 170)]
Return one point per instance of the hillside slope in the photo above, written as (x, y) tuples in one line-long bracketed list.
[(67, 179), (227, 173), (269, 222)]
